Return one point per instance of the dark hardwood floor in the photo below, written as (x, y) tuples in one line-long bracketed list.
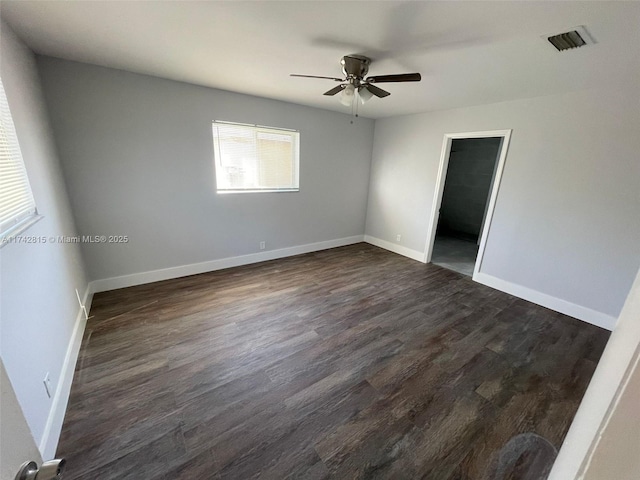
[(347, 363)]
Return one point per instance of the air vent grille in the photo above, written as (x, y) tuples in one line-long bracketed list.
[(568, 40), (571, 39)]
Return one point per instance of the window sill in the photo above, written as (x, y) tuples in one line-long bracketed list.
[(17, 229), (265, 190)]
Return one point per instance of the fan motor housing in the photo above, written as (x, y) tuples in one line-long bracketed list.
[(355, 65)]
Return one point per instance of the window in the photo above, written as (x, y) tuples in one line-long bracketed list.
[(252, 158), (17, 207)]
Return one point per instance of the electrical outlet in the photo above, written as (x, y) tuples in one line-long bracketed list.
[(398, 237), (47, 384), (263, 245)]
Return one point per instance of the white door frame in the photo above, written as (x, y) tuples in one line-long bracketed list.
[(442, 175)]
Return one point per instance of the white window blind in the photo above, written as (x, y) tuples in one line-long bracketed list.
[(252, 158), (17, 206)]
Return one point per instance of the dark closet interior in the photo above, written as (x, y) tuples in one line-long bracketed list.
[(467, 187)]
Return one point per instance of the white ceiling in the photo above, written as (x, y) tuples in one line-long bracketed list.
[(469, 53)]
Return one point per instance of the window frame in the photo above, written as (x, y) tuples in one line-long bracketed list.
[(14, 165), (217, 160)]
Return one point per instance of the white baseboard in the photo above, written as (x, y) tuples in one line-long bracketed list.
[(113, 283), (577, 311), (395, 248), (51, 434)]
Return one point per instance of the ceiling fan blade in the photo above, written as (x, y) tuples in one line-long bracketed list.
[(401, 77), (334, 90), (316, 76), (377, 91)]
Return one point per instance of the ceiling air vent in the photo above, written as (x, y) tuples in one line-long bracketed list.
[(578, 37)]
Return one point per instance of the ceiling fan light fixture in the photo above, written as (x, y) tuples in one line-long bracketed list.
[(364, 94), (347, 95), (356, 88)]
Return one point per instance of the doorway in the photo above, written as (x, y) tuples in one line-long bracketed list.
[(467, 187)]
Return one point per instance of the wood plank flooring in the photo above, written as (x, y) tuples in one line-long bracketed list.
[(342, 364)]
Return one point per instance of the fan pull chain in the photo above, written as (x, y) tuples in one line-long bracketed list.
[(354, 107)]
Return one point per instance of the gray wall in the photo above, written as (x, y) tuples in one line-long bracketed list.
[(466, 189), (38, 305), (137, 156), (567, 220)]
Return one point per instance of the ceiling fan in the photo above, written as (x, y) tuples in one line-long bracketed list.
[(355, 69)]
